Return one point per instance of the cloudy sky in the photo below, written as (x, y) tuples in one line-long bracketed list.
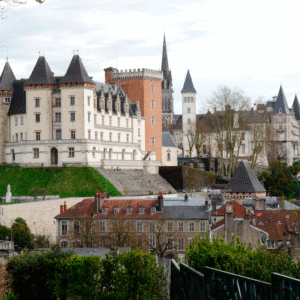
[(249, 44)]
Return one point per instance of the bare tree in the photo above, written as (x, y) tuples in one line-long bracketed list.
[(201, 135), (191, 137)]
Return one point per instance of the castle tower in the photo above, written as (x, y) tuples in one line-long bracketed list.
[(166, 88), (143, 85), (77, 105), (39, 88), (188, 113), (6, 92), (296, 107)]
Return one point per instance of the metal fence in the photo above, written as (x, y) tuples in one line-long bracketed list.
[(189, 284)]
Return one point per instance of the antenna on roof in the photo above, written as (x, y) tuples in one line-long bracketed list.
[(39, 53)]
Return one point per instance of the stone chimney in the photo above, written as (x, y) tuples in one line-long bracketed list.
[(160, 201), (228, 228), (206, 205), (259, 203), (229, 207), (254, 220), (65, 206), (186, 197), (61, 209), (99, 199), (246, 229)]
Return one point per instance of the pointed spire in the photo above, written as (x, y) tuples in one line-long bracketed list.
[(76, 72), (244, 180), (41, 73), (188, 86), (296, 107), (7, 78), (281, 104), (164, 63)]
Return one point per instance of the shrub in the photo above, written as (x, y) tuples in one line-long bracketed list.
[(236, 258), (32, 275)]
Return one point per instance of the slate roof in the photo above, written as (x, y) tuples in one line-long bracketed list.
[(296, 107), (167, 140), (7, 78), (281, 102), (18, 101), (188, 86), (41, 73), (244, 180), (185, 212), (76, 72)]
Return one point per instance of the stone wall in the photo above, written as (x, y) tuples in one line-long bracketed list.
[(38, 215)]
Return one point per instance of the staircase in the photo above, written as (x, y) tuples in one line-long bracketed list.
[(136, 182)]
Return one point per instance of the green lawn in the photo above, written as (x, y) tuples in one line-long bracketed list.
[(66, 181)]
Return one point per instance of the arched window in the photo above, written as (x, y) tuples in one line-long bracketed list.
[(189, 121), (169, 157), (188, 110)]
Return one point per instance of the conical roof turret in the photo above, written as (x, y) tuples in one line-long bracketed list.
[(76, 72), (41, 73), (281, 104), (188, 86), (296, 107), (7, 78)]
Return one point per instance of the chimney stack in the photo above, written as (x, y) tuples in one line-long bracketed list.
[(206, 205), (254, 220), (65, 206), (61, 209), (186, 197), (229, 207), (160, 201)]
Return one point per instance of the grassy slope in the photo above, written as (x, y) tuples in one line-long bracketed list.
[(66, 182)]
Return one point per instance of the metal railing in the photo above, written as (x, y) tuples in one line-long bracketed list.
[(189, 284)]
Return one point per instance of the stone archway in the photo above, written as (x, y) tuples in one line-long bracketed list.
[(54, 156)]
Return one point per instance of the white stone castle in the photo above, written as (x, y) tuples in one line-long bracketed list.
[(70, 120)]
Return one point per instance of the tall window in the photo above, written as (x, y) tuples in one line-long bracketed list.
[(102, 225), (89, 100), (22, 120), (181, 244), (89, 116), (139, 226), (170, 226), (72, 117), (89, 134), (16, 121), (152, 226), (72, 100), (152, 241), (38, 135), (141, 210), (127, 123), (152, 89), (103, 123), (152, 103), (73, 135), (169, 156), (101, 136), (37, 102), (191, 226), (152, 120), (119, 137), (21, 136), (119, 121), (13, 155), (57, 102), (180, 226), (202, 226), (96, 135), (170, 243), (95, 119), (64, 227), (36, 153), (110, 121), (37, 118), (110, 136), (123, 154), (17, 137), (76, 227), (139, 131), (127, 138), (152, 141), (110, 154), (57, 117), (71, 152), (94, 152)]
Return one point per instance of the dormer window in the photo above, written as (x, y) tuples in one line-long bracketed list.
[(153, 210), (116, 210), (104, 210), (141, 210), (128, 210)]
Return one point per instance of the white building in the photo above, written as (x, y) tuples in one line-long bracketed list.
[(70, 120)]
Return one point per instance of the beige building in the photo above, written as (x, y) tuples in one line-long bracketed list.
[(169, 150), (70, 120)]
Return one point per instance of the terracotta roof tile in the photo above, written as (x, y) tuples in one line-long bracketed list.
[(239, 211)]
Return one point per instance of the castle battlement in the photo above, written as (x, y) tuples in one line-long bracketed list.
[(132, 73)]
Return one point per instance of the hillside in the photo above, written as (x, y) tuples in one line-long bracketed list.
[(65, 181)]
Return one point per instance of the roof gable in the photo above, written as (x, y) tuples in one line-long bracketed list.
[(41, 73), (76, 72), (188, 86), (244, 180), (167, 140), (7, 78)]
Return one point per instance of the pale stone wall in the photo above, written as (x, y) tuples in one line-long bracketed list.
[(173, 156), (38, 215)]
